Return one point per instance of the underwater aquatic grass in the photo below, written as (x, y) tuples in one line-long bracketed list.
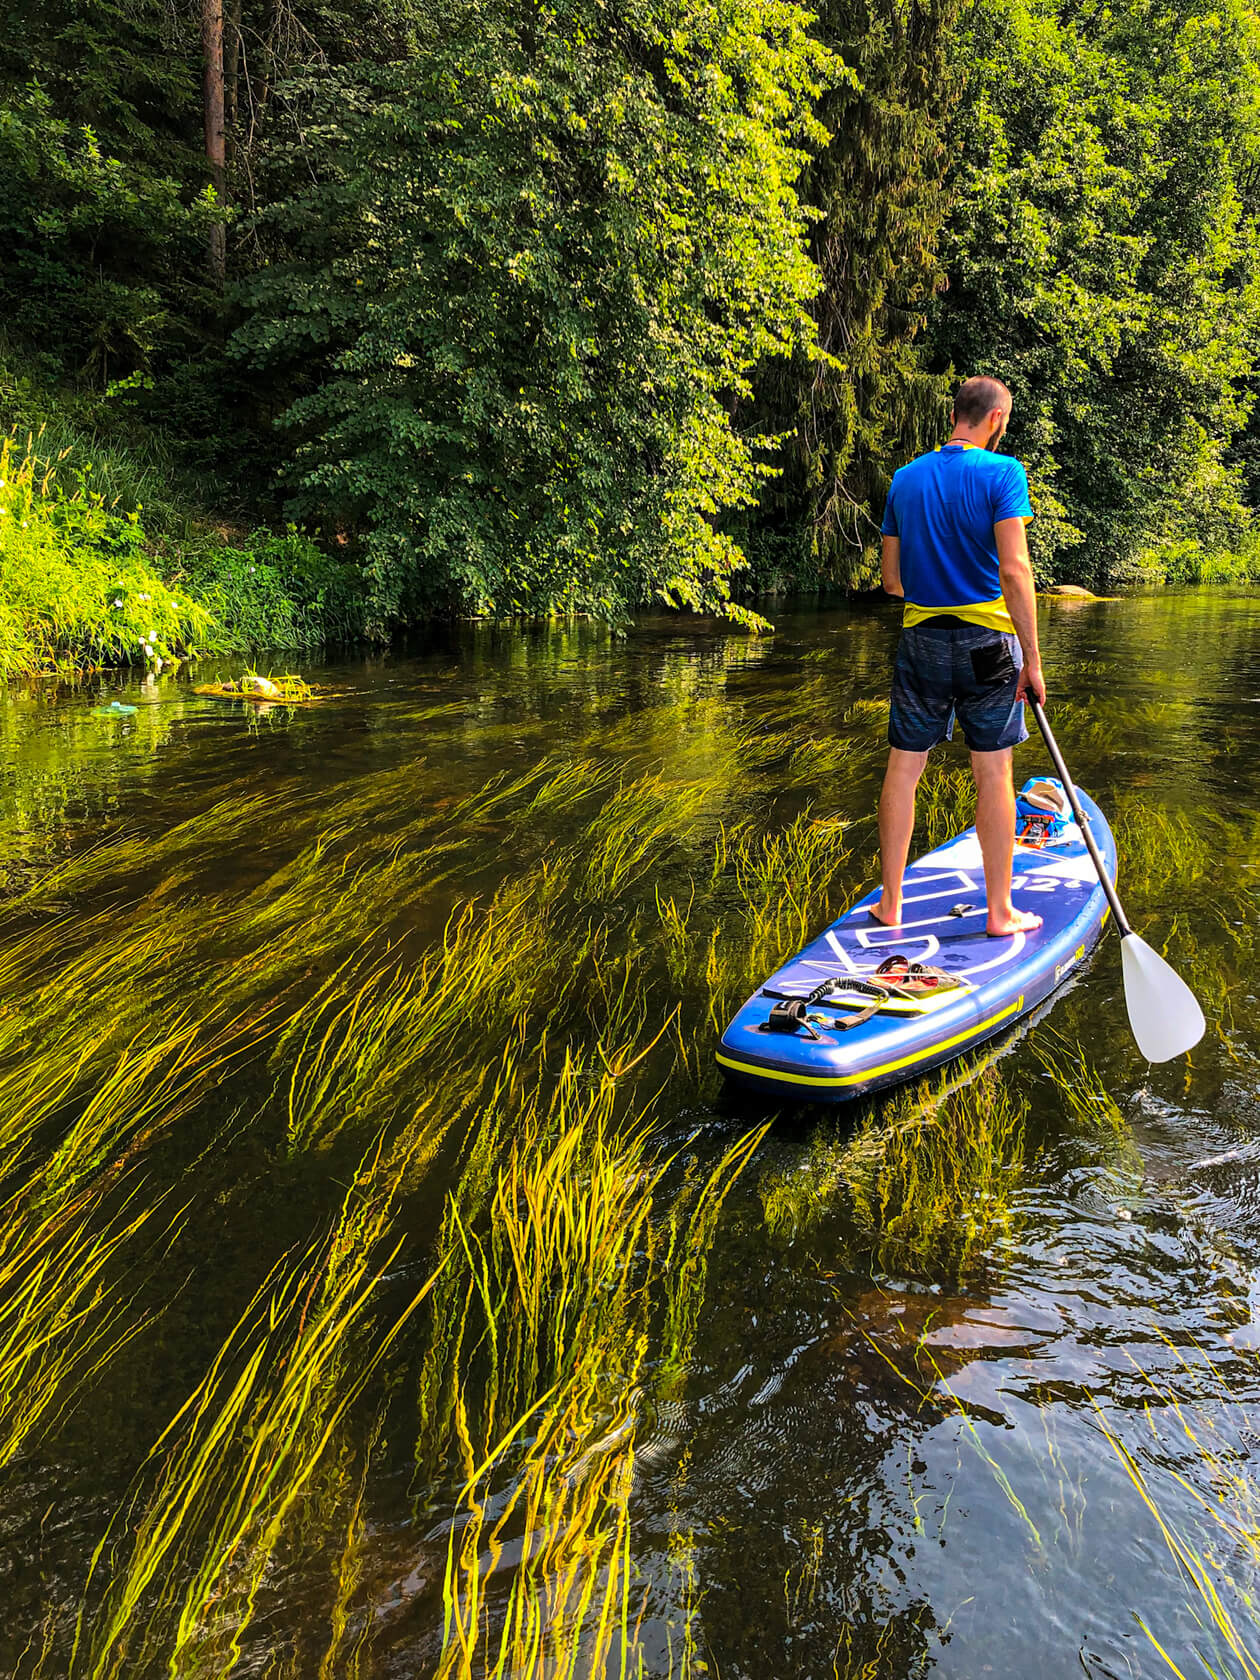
[(178, 1588), (536, 1124), (65, 1302), (1079, 1087), (694, 1216), (519, 1030), (385, 852), (361, 1052), (934, 1189), (945, 804), (171, 952), (928, 1180), (340, 1505), (148, 1085), (576, 781), (552, 1308), (71, 1234), (1204, 917), (78, 1227), (1197, 1452), (640, 822), (181, 1569), (764, 897), (366, 1051)]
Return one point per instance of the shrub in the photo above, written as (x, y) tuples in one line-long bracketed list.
[(77, 589), (1193, 562), (275, 592)]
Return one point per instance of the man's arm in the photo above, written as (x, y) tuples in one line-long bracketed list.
[(1020, 595), (890, 566)]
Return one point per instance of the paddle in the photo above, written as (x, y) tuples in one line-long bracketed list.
[(1163, 1012)]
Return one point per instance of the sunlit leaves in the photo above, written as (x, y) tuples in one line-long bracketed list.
[(536, 264)]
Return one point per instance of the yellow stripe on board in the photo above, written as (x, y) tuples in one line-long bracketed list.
[(872, 1073)]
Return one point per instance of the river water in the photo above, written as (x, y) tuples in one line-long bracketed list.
[(888, 1446)]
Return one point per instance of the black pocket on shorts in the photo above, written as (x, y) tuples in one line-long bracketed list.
[(992, 664)]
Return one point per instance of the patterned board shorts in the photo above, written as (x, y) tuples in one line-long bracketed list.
[(950, 669)]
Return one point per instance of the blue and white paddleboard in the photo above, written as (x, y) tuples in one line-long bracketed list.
[(1001, 979)]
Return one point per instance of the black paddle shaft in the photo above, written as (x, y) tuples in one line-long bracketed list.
[(1069, 787)]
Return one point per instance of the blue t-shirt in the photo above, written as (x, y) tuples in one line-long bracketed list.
[(944, 506)]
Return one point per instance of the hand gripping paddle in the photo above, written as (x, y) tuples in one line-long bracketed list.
[(1163, 1012)]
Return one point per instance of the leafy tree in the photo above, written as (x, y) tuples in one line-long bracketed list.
[(1103, 261), (99, 213), (531, 270), (106, 207)]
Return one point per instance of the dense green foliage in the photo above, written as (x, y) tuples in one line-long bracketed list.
[(1103, 258), (574, 308), (76, 587), (266, 591), (864, 401), (530, 268), (101, 207), (84, 582)]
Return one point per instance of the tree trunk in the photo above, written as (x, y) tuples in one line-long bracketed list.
[(212, 83), (232, 72)]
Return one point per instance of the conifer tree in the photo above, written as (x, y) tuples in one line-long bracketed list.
[(863, 402)]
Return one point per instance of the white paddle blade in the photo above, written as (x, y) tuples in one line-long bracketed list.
[(1163, 1012)]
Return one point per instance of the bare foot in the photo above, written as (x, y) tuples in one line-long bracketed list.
[(1019, 921), (887, 915)]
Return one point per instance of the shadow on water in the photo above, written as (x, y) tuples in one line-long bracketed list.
[(390, 1286)]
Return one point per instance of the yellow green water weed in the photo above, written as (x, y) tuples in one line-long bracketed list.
[(518, 1031), (555, 1316), (926, 1184), (181, 1570), (66, 1301), (1195, 1453)]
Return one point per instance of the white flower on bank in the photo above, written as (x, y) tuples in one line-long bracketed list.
[(117, 601)]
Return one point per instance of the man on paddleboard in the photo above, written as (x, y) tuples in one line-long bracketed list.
[(955, 550)]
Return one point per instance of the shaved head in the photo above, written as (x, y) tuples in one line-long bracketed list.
[(978, 397)]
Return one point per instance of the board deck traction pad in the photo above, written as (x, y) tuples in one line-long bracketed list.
[(1006, 978)]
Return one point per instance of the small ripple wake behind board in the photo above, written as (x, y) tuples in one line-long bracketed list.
[(1005, 978)]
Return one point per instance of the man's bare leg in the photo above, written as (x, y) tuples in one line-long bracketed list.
[(995, 825), (896, 825)]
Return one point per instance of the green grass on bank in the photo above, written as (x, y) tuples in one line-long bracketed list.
[(105, 560), (1191, 562), (77, 588)]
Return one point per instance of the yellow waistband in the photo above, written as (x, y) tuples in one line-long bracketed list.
[(989, 615)]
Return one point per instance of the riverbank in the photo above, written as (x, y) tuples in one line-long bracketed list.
[(107, 558), (85, 584)]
